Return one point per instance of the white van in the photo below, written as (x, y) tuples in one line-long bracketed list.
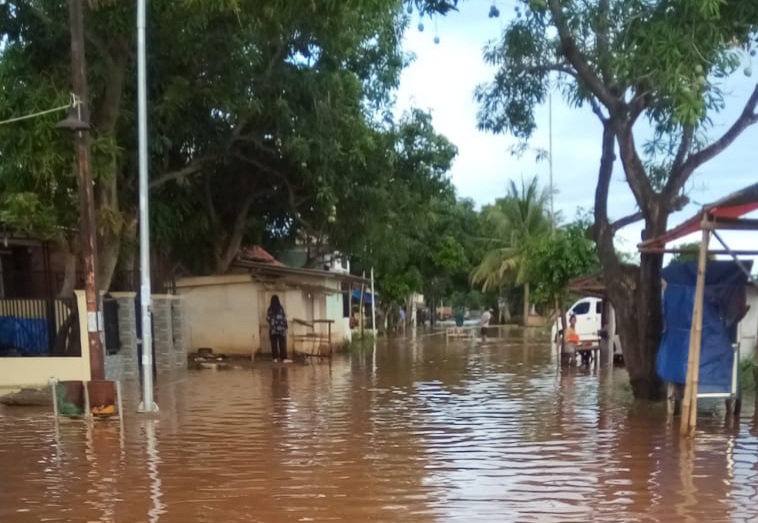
[(589, 313)]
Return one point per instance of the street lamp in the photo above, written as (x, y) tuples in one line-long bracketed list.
[(77, 121), (147, 405)]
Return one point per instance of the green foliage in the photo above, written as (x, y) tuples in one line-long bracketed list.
[(689, 252), (509, 224), (672, 53), (552, 260), (268, 121), (747, 376)]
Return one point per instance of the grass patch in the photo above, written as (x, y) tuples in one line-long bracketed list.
[(747, 375), (358, 342)]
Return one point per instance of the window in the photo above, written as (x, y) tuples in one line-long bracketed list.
[(599, 307), (581, 308)]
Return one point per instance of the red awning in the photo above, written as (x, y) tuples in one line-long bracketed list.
[(730, 207)]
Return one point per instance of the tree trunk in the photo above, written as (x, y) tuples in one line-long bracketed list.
[(526, 304), (110, 230), (228, 245), (634, 292), (69, 250), (641, 328), (109, 248)]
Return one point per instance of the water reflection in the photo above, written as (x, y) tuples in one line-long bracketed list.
[(153, 459), (418, 430)]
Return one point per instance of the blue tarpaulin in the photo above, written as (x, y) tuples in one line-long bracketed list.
[(27, 335), (366, 296), (724, 305)]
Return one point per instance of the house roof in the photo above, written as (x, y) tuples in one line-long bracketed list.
[(588, 285), (282, 270), (256, 253)]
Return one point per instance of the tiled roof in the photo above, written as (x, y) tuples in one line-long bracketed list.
[(256, 253)]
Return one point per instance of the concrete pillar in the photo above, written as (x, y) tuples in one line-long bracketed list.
[(163, 338), (124, 365), (178, 328)]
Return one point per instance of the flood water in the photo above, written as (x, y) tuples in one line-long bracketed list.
[(414, 432)]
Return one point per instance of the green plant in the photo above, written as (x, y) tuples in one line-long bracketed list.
[(747, 370)]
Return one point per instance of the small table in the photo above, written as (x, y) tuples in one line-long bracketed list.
[(589, 353)]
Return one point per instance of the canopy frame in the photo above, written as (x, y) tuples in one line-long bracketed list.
[(724, 214)]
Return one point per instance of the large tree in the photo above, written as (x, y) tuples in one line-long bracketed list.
[(639, 65), (260, 114)]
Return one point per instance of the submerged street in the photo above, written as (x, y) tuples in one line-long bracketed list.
[(418, 431)]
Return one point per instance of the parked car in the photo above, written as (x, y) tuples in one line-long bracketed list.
[(589, 314)]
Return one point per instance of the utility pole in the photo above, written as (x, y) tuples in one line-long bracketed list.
[(80, 126), (550, 156), (148, 404)]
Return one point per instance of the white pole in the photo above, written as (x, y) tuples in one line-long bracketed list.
[(550, 155), (147, 404), (373, 304)]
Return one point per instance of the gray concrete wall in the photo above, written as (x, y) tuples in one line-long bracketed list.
[(170, 350), (125, 364), (179, 330), (169, 337)]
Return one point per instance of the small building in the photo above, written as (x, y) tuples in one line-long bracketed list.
[(228, 313)]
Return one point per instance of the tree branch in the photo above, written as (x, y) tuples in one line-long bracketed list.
[(638, 104), (234, 238), (634, 169), (597, 109), (602, 231), (208, 197), (292, 201), (747, 118), (603, 40), (688, 134), (256, 142), (188, 170), (113, 90), (626, 220), (602, 189), (576, 58), (258, 164), (553, 67)]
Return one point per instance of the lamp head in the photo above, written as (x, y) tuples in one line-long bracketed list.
[(74, 120)]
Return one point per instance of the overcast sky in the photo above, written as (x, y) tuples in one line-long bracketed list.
[(443, 77)]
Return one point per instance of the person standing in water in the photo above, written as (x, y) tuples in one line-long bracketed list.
[(484, 323), (277, 330)]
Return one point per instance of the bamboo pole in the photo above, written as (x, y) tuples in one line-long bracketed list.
[(360, 305), (689, 402)]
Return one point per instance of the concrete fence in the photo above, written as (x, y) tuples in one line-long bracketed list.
[(168, 337)]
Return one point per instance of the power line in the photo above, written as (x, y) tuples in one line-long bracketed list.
[(73, 103)]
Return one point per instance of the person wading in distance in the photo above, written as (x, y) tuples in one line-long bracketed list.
[(277, 330), (484, 323)]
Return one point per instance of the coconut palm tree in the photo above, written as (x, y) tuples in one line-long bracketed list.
[(522, 214)]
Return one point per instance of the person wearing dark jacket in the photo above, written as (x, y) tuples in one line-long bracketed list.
[(277, 330)]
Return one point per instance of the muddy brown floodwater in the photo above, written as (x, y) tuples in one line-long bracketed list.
[(418, 431)]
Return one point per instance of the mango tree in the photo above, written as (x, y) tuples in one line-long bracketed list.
[(638, 65)]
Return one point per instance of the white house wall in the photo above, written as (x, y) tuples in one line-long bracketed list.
[(223, 317)]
